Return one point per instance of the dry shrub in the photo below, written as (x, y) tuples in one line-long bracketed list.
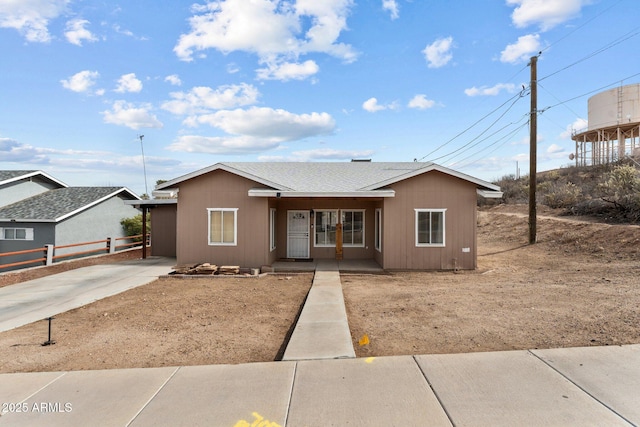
[(561, 195)]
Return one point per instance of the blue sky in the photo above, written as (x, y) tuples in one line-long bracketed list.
[(300, 80)]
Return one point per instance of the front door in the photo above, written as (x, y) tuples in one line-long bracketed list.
[(297, 234)]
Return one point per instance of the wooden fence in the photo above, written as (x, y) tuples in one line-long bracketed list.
[(49, 256)]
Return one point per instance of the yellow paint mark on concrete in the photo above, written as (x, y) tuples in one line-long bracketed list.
[(369, 359), (258, 422), (364, 340)]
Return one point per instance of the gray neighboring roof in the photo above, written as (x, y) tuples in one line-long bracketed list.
[(59, 204), (328, 177), (8, 176)]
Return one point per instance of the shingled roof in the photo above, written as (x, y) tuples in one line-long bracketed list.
[(59, 204), (8, 176), (329, 177)]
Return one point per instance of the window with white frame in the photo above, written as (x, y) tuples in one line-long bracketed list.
[(14, 233), (430, 227), (378, 230), (325, 227), (353, 227), (223, 226), (272, 229)]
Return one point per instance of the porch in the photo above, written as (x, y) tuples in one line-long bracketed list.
[(344, 266)]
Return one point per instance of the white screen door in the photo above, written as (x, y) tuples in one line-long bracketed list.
[(297, 234)]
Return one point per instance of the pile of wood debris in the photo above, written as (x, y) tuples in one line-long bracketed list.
[(206, 268)]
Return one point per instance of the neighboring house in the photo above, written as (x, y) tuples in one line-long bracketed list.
[(18, 185), (64, 216), (402, 215)]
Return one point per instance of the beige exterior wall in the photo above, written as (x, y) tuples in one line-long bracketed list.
[(221, 189), (163, 231), (433, 190)]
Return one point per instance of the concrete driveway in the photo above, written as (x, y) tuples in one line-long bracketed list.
[(38, 299)]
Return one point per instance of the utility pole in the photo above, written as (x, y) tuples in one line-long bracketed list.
[(533, 149)]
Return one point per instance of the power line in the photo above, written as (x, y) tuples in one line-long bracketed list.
[(581, 26), (556, 98), (506, 139), (591, 91), (483, 132), (515, 97), (617, 41)]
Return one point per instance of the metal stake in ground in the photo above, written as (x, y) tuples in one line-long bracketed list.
[(49, 341)]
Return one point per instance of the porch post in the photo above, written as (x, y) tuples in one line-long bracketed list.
[(144, 232), (339, 241)]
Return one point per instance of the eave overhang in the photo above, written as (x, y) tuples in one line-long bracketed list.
[(488, 194), (150, 203), (260, 192)]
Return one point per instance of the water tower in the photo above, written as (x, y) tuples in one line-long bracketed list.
[(614, 127)]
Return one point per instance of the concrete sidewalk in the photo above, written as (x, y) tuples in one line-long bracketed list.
[(38, 299), (593, 386)]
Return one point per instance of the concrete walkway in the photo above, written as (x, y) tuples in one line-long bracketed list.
[(322, 330), (38, 299), (595, 386)]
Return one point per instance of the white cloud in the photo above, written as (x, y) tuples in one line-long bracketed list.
[(268, 123), (274, 30), (126, 114), (31, 17), (522, 50), (288, 71), (203, 99), (579, 125), (438, 53), (491, 91), (554, 148), (13, 151), (555, 151), (174, 79), (545, 13), (128, 83), (76, 32), (421, 102), (118, 29), (392, 7), (81, 82), (371, 105), (222, 145)]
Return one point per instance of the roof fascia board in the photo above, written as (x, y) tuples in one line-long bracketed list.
[(226, 168), (95, 202), (258, 192), (430, 168), (31, 175), (489, 194), (151, 202), (23, 220)]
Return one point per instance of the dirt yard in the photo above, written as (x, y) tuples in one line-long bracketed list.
[(578, 286)]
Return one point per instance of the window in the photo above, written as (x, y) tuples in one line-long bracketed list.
[(272, 229), (378, 230), (223, 226), (353, 228), (430, 227), (325, 228), (16, 233)]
